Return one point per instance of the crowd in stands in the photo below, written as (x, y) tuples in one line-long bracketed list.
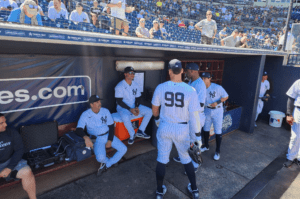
[(174, 20)]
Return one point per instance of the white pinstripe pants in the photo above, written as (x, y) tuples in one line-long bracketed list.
[(294, 146)]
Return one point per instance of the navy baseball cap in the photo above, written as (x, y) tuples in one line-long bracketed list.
[(265, 73), (79, 4), (128, 69), (206, 74), (192, 66), (175, 66), (94, 98)]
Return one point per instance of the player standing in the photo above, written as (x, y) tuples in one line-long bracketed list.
[(192, 72), (293, 118), (215, 96), (179, 108), (264, 87), (128, 96)]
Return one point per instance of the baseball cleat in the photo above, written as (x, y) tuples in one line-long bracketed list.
[(288, 163), (176, 159), (195, 193), (102, 169), (203, 149), (217, 156), (141, 134), (161, 195), (130, 141), (196, 170)]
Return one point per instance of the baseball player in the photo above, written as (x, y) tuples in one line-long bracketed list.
[(179, 109), (293, 118), (98, 122), (264, 87), (128, 97), (215, 96), (192, 72)]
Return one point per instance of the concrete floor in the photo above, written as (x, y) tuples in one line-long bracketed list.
[(243, 157)]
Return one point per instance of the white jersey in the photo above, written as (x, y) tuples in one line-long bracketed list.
[(53, 14), (127, 92), (264, 87), (177, 100), (214, 93), (96, 124), (75, 17), (118, 12), (294, 92), (200, 87)]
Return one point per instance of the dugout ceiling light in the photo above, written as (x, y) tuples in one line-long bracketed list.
[(140, 65)]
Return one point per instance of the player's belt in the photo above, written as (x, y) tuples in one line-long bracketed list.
[(182, 122), (102, 134), (213, 107)]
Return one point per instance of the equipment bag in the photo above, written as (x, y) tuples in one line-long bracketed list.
[(74, 147)]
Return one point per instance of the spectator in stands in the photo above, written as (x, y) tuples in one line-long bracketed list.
[(181, 25), (257, 35), (8, 5), (155, 31), (78, 16), (40, 10), (162, 29), (103, 4), (95, 20), (140, 15), (118, 9), (159, 4), (141, 31), (262, 36), (12, 165), (191, 26), (242, 43), (222, 33), (208, 29), (230, 41), (239, 37), (289, 41), (56, 12), (51, 3), (27, 14), (95, 9)]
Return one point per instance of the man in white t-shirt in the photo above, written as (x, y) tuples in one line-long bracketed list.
[(78, 16), (264, 87), (57, 12), (208, 29), (289, 41), (8, 5), (118, 9), (128, 97)]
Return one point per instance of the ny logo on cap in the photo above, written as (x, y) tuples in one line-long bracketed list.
[(203, 73), (97, 96), (176, 65)]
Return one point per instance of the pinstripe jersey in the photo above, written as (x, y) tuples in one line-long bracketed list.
[(96, 123), (200, 87), (214, 93), (177, 100), (294, 92), (127, 92)]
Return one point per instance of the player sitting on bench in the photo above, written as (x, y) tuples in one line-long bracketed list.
[(128, 96), (12, 166)]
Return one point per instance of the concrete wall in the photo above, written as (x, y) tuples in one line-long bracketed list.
[(241, 79)]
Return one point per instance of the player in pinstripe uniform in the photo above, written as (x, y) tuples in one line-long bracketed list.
[(98, 122), (192, 72), (293, 118), (128, 96), (179, 109), (215, 96)]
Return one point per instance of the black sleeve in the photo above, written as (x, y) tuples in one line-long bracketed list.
[(80, 132), (290, 106), (122, 104), (18, 150), (201, 104), (138, 101), (111, 132)]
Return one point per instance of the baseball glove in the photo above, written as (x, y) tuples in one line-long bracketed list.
[(195, 153), (265, 98)]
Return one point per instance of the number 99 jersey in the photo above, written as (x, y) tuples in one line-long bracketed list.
[(177, 100)]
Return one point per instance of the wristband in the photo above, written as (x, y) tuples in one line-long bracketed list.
[(219, 102), (156, 117)]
